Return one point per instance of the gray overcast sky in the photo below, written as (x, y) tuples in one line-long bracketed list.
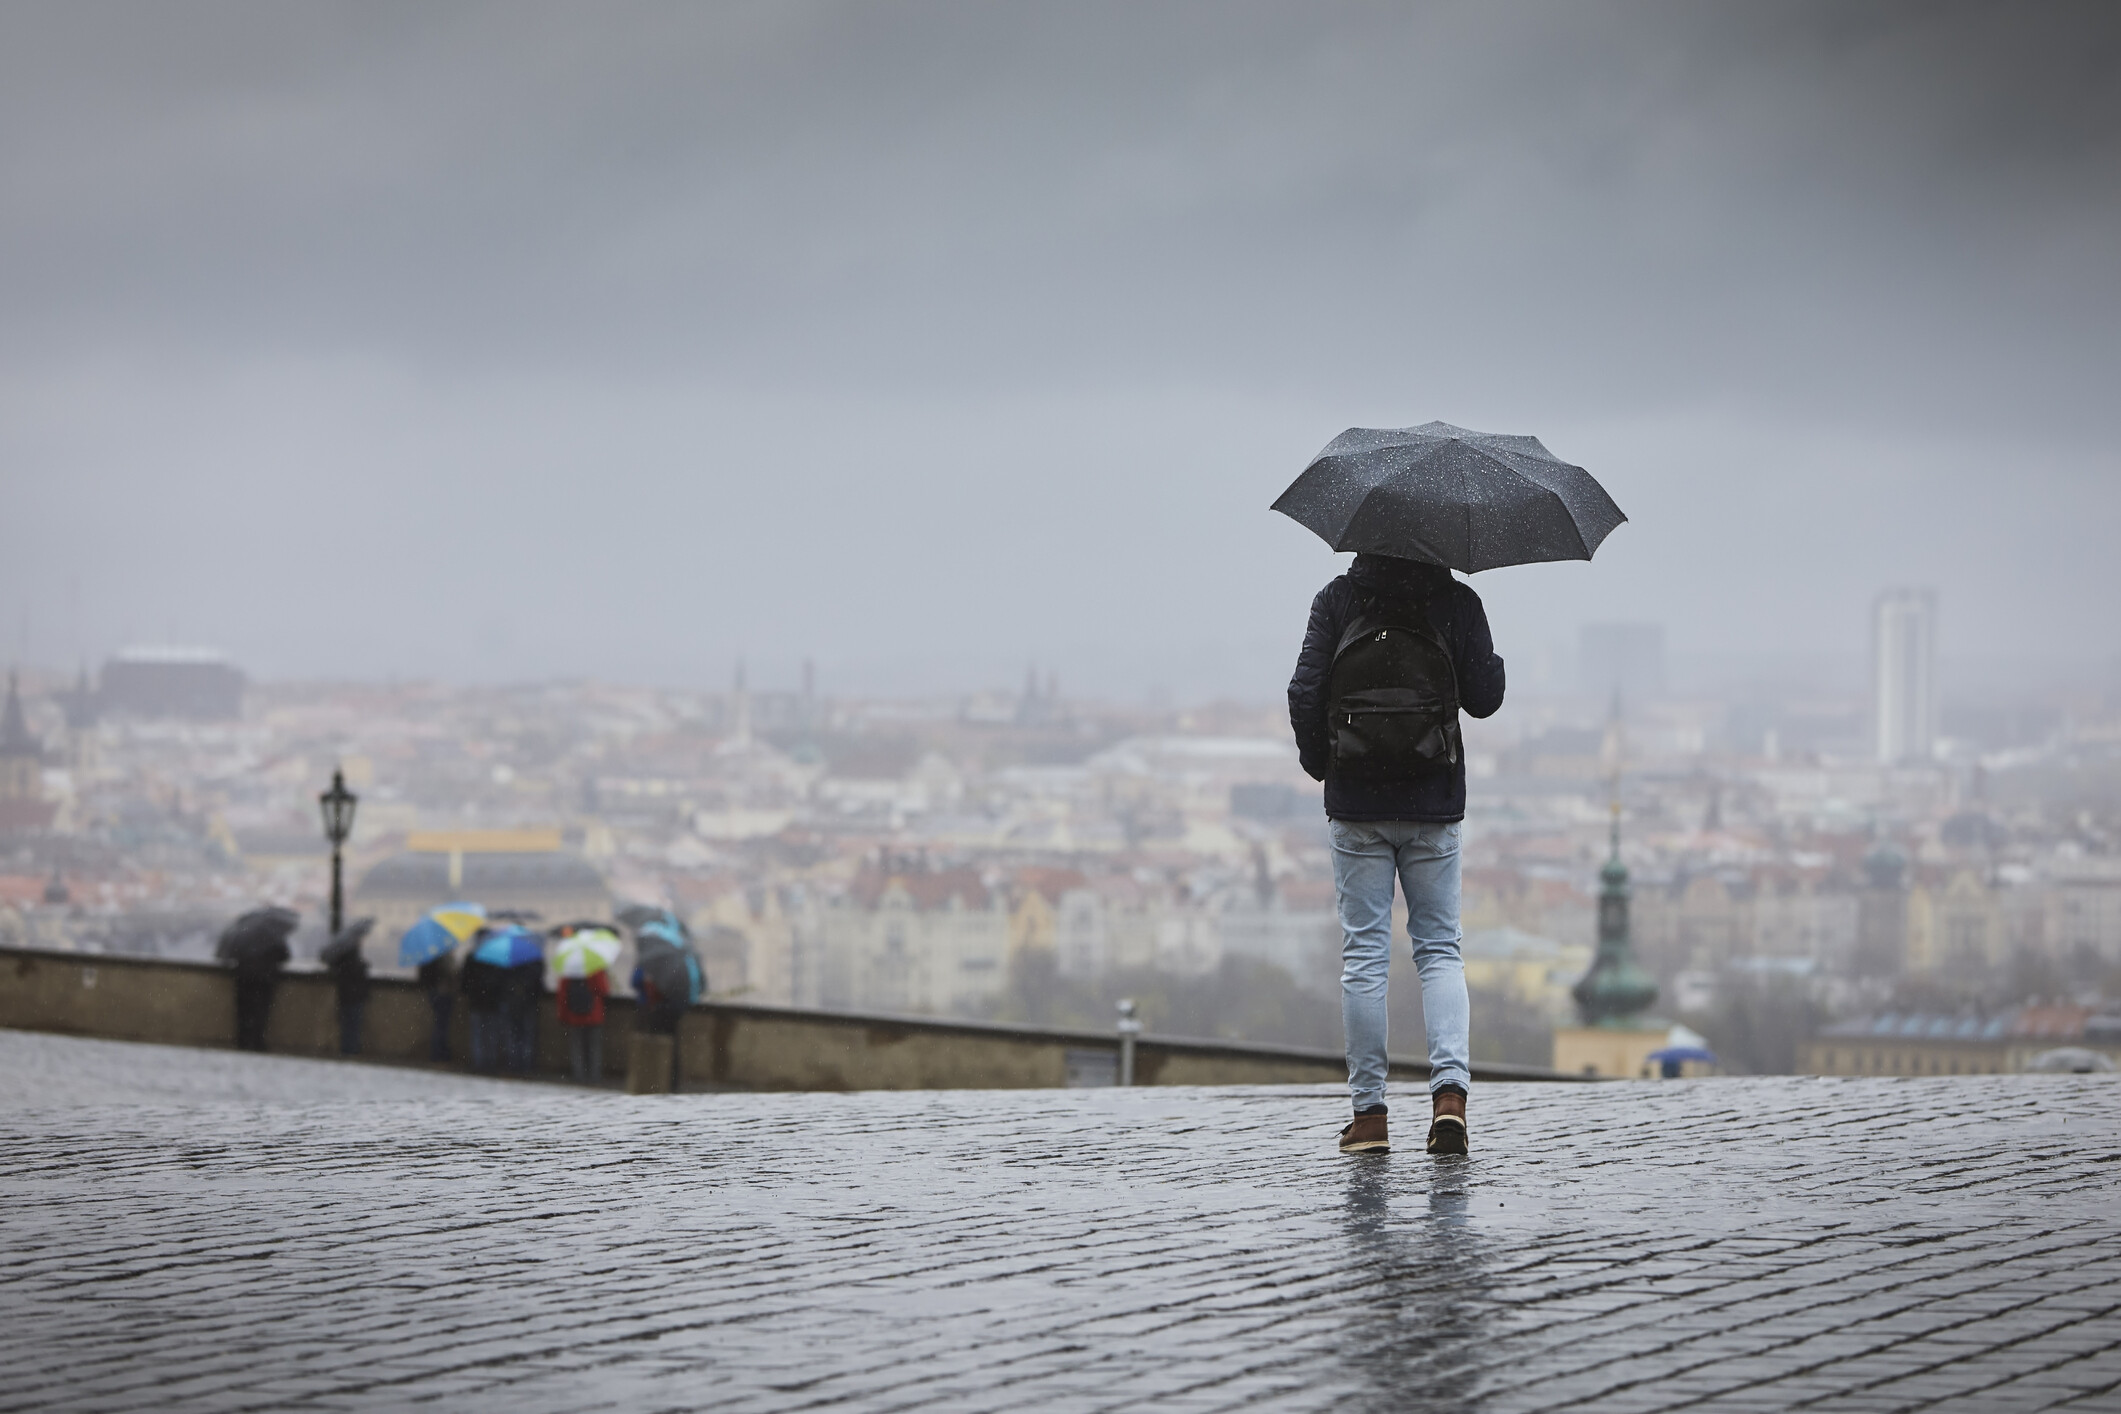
[(930, 340)]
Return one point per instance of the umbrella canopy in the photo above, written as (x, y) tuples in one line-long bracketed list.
[(642, 916), (510, 945), (665, 930), (663, 945), (345, 945), (675, 973), (1449, 496), (258, 936), (438, 934), (1677, 1054), (584, 949)]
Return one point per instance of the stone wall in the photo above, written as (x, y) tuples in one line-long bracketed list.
[(719, 1043)]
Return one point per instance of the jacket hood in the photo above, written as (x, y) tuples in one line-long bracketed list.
[(1389, 575)]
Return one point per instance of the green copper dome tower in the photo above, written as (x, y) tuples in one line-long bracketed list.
[(1616, 990)]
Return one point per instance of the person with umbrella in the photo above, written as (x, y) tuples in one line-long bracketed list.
[(256, 946), (430, 946), (1395, 650), (486, 984), (582, 954), (342, 957), (667, 977), (519, 952)]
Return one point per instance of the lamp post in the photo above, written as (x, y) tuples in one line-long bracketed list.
[(338, 806), (1130, 1027)]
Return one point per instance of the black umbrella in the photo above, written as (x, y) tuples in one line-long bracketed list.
[(1470, 500), (662, 947), (258, 936), (346, 943), (640, 915), (674, 972)]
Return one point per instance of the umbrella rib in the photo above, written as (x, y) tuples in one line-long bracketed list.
[(1465, 505), (1383, 483), (1568, 517)]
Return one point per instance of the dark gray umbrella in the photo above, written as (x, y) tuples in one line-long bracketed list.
[(259, 936), (675, 973), (346, 943), (640, 915), (1470, 500)]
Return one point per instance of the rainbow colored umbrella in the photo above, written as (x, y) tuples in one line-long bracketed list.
[(439, 933)]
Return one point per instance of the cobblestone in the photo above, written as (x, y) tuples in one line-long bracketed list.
[(190, 1230)]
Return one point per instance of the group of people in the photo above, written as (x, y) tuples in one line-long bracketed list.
[(503, 1005), (502, 975)]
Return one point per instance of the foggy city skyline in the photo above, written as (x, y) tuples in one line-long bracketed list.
[(648, 743), (926, 342)]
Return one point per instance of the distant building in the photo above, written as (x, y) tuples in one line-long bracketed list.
[(22, 802), (1040, 706), (2084, 910), (524, 870), (745, 938), (1525, 965), (172, 682), (1271, 802), (1912, 1043), (907, 938), (1294, 926), (1622, 659), (1882, 916), (1904, 675)]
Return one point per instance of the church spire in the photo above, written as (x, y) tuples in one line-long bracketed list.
[(1616, 989)]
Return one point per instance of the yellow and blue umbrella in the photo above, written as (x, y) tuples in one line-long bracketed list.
[(438, 934)]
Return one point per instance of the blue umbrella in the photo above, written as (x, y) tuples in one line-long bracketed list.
[(438, 934), (510, 946), (1676, 1054)]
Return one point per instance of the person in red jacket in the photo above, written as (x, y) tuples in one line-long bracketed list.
[(581, 1002)]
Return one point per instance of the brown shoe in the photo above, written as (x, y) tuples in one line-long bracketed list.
[(1365, 1134), (1447, 1123)]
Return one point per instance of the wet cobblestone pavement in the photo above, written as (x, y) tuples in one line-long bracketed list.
[(344, 1237)]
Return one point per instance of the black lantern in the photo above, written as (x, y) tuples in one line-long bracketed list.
[(338, 806)]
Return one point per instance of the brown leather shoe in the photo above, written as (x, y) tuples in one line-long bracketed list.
[(1447, 1122), (1365, 1134)]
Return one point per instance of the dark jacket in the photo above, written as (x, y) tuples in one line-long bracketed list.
[(483, 985), (262, 964), (1455, 611), (438, 975), (524, 984), (349, 977)]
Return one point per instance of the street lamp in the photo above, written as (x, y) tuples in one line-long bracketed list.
[(1130, 1027), (338, 806)]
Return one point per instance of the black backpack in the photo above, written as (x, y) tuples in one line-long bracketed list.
[(1392, 695)]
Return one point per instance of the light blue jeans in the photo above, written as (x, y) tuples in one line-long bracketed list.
[(1367, 856)]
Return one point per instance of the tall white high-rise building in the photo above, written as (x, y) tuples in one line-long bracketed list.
[(1904, 675)]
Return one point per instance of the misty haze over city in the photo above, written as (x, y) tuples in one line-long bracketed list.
[(806, 469), (679, 725), (527, 342)]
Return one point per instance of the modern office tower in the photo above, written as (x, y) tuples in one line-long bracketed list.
[(1904, 675), (1622, 659)]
